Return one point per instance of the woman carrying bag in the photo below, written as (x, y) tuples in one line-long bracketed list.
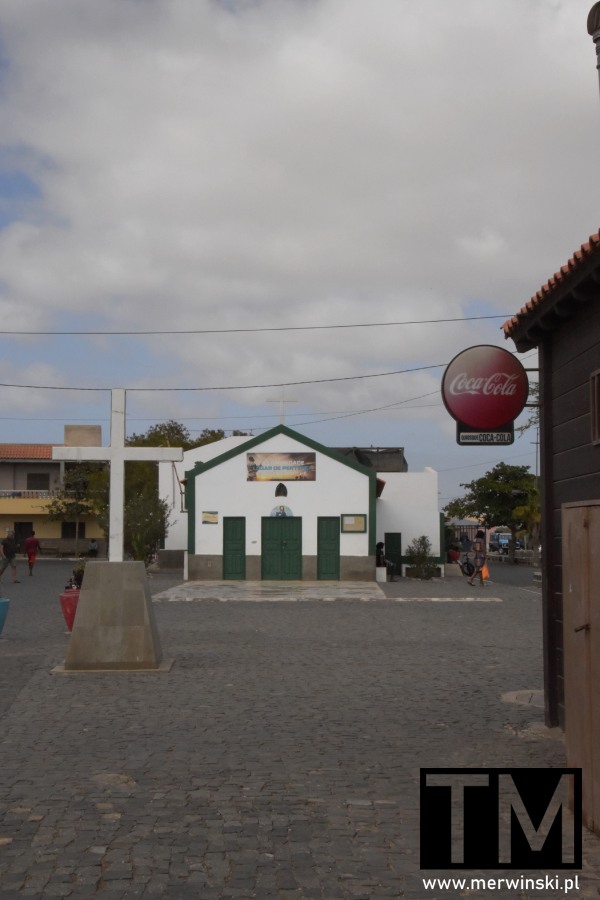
[(479, 558)]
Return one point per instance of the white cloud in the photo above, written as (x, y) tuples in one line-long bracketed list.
[(278, 163)]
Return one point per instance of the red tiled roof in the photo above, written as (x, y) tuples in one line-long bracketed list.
[(558, 281), (26, 451)]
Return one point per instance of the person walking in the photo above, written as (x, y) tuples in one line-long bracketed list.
[(9, 552), (479, 558), (32, 547)]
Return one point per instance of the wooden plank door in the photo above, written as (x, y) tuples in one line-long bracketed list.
[(581, 646), (328, 548), (234, 548), (393, 549), (281, 553)]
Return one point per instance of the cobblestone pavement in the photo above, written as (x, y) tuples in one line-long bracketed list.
[(280, 757)]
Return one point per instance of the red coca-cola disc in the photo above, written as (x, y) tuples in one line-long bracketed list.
[(485, 387)]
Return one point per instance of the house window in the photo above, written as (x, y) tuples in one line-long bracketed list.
[(68, 530), (281, 490), (595, 405), (38, 481)]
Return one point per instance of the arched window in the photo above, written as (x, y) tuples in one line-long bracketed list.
[(281, 490)]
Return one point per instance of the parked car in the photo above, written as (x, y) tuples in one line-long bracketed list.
[(500, 542)]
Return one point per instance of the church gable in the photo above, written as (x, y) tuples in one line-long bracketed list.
[(255, 442)]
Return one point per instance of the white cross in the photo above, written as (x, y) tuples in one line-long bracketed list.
[(282, 401), (117, 455)]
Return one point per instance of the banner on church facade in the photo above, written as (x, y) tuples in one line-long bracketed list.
[(281, 466)]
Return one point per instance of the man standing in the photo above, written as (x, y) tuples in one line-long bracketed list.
[(32, 547), (9, 552), (381, 561)]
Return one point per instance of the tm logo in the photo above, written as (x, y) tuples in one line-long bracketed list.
[(500, 819)]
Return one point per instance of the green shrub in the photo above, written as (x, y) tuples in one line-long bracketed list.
[(420, 559)]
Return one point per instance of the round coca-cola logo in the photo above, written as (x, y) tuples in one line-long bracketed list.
[(485, 387)]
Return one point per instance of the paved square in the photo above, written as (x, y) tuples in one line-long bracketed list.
[(278, 759)]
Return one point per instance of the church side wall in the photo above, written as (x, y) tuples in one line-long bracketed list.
[(409, 505)]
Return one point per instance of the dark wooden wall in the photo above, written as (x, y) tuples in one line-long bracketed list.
[(570, 463)]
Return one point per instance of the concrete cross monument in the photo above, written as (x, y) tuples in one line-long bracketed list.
[(114, 627)]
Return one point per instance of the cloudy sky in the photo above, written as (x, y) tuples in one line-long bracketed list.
[(235, 176)]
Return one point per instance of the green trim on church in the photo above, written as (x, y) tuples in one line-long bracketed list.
[(200, 468)]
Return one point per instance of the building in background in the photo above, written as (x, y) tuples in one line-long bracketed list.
[(282, 506), (28, 478)]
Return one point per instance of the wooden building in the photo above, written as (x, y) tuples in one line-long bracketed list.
[(563, 321)]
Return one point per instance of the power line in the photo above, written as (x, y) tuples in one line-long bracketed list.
[(363, 412), (231, 387), (30, 333), (330, 416)]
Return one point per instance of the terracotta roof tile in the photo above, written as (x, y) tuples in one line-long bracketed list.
[(558, 280), (26, 451)]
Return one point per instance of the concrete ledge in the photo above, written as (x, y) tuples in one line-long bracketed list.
[(207, 567), (165, 666)]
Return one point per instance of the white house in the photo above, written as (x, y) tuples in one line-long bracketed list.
[(284, 507)]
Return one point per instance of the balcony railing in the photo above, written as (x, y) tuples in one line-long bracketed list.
[(25, 495)]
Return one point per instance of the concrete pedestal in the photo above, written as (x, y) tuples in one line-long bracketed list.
[(381, 573), (114, 628)]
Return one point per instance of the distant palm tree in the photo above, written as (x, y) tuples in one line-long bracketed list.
[(531, 514)]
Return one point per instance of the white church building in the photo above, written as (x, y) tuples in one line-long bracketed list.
[(281, 506)]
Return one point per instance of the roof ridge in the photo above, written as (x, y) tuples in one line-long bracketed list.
[(580, 256)]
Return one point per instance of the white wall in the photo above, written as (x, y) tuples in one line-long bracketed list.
[(225, 489), (168, 485), (409, 505)]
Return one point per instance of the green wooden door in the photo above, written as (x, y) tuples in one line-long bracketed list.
[(393, 549), (281, 548), (328, 548), (234, 548)]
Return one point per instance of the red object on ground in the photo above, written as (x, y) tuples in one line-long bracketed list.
[(68, 603)]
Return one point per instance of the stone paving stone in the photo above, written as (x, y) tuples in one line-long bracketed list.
[(280, 756)]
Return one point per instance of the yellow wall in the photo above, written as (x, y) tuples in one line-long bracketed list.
[(44, 528)]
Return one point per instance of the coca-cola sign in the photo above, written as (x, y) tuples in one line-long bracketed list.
[(485, 387)]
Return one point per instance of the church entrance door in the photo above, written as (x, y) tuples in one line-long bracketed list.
[(281, 554)]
